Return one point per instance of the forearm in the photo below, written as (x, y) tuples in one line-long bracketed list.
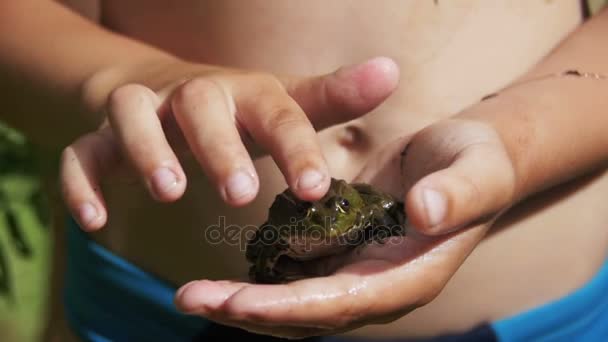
[(555, 128), (49, 59)]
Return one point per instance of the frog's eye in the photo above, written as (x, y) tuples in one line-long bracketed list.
[(342, 204)]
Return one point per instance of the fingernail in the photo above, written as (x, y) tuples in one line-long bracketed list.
[(239, 185), (310, 179), (435, 205), (87, 213), (163, 180)]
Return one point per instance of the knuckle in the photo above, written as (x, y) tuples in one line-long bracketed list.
[(503, 186), (273, 83), (197, 89), (67, 155), (129, 93), (472, 192), (83, 144), (509, 179), (261, 84), (266, 80), (282, 117)]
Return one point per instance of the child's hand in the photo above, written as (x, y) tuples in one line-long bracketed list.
[(225, 116), (456, 172), (466, 166)]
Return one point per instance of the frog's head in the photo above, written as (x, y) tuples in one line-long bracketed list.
[(334, 214)]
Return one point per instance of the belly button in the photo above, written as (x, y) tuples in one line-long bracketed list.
[(353, 138)]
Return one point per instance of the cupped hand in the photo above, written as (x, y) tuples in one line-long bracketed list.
[(224, 118), (455, 177)]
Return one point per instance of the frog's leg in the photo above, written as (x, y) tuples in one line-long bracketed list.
[(264, 255), (384, 209), (384, 224), (255, 246), (263, 271), (397, 212)]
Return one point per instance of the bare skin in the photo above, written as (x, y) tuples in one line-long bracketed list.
[(440, 76)]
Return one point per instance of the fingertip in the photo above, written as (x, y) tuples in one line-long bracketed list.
[(376, 78), (184, 300), (167, 184), (311, 184), (90, 217), (427, 209), (204, 297), (386, 68), (240, 188), (414, 212), (435, 205)]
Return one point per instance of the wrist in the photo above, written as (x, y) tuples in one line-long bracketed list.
[(552, 128)]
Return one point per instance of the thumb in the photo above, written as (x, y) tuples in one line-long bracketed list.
[(345, 94), (478, 182)]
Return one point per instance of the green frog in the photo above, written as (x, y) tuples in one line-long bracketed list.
[(348, 216)]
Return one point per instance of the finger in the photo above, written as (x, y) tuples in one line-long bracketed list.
[(204, 297), (203, 112), (132, 115), (280, 126), (255, 304), (81, 168), (189, 301), (479, 182), (346, 93)]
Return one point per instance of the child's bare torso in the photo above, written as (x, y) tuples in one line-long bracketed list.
[(451, 53)]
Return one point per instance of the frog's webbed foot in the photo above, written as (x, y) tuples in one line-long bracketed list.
[(269, 277), (264, 251), (264, 271), (255, 246), (280, 269), (380, 236), (385, 225)]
